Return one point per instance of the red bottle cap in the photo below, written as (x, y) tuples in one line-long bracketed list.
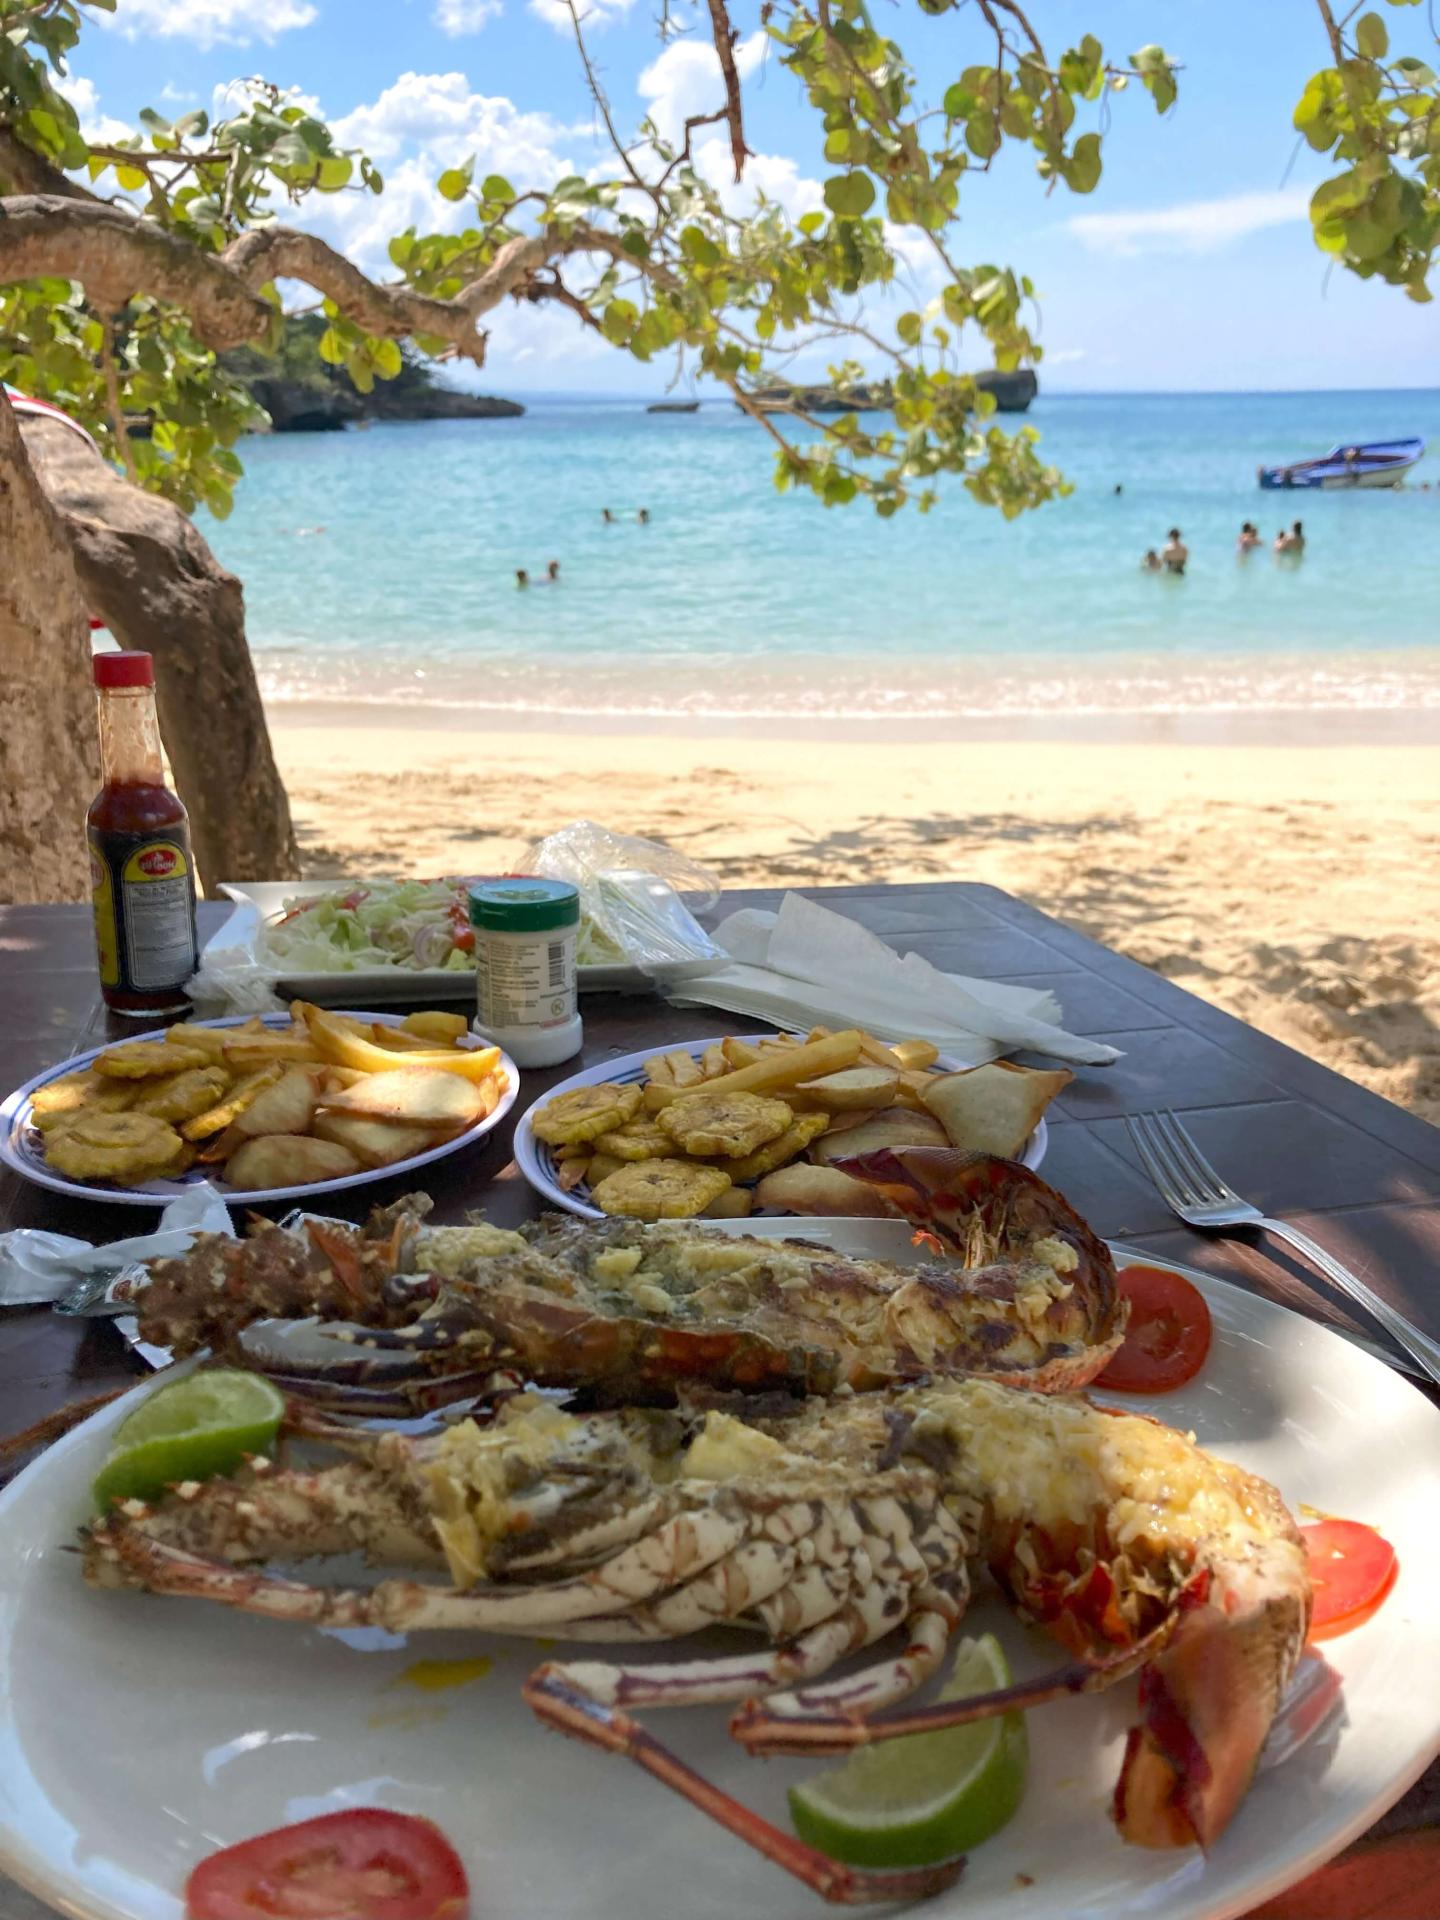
[(124, 670)]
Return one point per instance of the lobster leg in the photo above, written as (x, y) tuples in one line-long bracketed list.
[(568, 1709), (935, 1616), (760, 1730)]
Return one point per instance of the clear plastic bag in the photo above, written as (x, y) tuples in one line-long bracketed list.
[(632, 909)]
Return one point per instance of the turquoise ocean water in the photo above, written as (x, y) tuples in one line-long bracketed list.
[(379, 567)]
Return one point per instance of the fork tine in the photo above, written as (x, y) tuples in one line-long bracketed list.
[(1145, 1134), (1213, 1190)]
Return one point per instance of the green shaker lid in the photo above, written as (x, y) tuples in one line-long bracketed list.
[(524, 906)]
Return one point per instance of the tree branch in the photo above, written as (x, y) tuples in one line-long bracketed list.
[(725, 38), (116, 256), (22, 170)]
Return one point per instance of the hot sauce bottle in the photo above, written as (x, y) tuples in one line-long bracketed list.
[(141, 870)]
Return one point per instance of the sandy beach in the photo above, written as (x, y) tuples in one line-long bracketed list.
[(1296, 885)]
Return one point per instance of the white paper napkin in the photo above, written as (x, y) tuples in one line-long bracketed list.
[(37, 1268), (808, 966)]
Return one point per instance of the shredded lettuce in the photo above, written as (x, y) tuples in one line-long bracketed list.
[(422, 924), (407, 923)]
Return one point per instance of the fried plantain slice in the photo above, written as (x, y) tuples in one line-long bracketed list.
[(183, 1095), (242, 1093), (140, 1059), (601, 1166), (586, 1112), (639, 1139), (128, 1147), (733, 1124), (780, 1151), (57, 1103), (660, 1190)]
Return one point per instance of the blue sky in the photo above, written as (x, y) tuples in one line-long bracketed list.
[(1191, 267)]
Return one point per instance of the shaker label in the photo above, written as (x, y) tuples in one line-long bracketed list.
[(525, 983)]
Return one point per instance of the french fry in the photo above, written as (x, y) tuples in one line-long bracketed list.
[(657, 1070), (783, 1068), (684, 1068), (713, 1062), (247, 1050), (397, 1040), (740, 1053), (336, 1043), (915, 1053), (440, 1029), (207, 1040), (877, 1053)]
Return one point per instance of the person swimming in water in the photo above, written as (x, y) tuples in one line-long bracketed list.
[(1175, 553), (607, 516), (1152, 563), (643, 516), (522, 578), (552, 572), (1249, 537), (1291, 543)]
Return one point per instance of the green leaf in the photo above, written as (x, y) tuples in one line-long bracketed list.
[(850, 194), (156, 122), (129, 177), (1371, 36), (332, 348), (618, 321), (909, 327), (401, 248), (335, 172), (454, 183), (1082, 170), (496, 187), (386, 358)]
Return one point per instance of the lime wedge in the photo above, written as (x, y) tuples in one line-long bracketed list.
[(190, 1430), (905, 1803)]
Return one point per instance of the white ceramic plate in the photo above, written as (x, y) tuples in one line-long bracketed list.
[(22, 1147), (137, 1735), (258, 902), (538, 1163)]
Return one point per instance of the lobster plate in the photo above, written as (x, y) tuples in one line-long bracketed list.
[(137, 1734)]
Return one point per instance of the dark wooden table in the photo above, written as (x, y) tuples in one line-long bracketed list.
[(1360, 1175)]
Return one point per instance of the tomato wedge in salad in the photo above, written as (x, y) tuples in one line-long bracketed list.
[(361, 1864), (1167, 1338), (1352, 1569)]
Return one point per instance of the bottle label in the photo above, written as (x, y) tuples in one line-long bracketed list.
[(526, 982), (144, 893)]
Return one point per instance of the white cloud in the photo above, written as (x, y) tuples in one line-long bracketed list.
[(419, 126), (1194, 226), (593, 13), (685, 80), (1065, 356), (100, 129), (211, 23), (465, 16)]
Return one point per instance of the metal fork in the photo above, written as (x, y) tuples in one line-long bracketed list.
[(1191, 1188)]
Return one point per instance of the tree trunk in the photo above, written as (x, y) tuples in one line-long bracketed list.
[(145, 570), (49, 751)]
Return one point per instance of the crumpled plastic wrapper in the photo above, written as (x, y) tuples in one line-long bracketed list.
[(53, 1269), (638, 896)]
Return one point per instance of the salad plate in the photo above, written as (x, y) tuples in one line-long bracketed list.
[(22, 1146), (537, 1161), (138, 1735), (405, 941)]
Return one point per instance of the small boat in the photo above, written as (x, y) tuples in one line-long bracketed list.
[(673, 406), (1378, 463)]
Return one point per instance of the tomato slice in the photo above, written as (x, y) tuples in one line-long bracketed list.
[(1168, 1336), (361, 1864), (1352, 1569)]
